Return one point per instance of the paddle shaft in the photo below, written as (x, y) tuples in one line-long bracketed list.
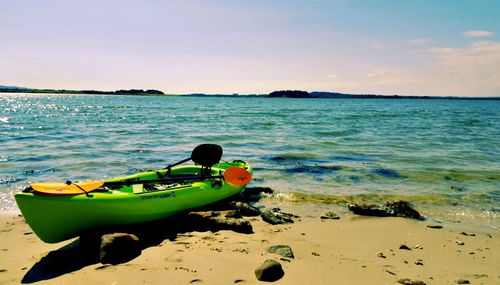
[(161, 180)]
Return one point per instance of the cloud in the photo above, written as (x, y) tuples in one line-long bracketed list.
[(479, 56), (420, 41), (382, 72), (378, 46), (471, 70), (478, 34), (388, 76)]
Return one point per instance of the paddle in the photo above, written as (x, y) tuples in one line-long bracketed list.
[(234, 175), (204, 154)]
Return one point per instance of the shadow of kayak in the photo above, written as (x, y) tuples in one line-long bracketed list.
[(85, 251)]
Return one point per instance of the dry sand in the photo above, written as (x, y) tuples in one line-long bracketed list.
[(352, 250)]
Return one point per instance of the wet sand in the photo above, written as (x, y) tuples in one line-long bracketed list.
[(351, 250)]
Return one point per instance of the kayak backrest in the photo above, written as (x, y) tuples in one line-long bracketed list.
[(206, 154)]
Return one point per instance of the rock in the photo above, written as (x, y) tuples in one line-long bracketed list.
[(390, 209), (229, 214), (434, 226), (270, 271), (119, 248), (215, 221), (277, 218), (233, 224), (381, 255), (459, 242), (201, 214), (467, 234), (251, 191), (419, 262), (283, 250), (407, 281), (405, 247), (403, 209), (462, 281), (330, 215), (245, 209)]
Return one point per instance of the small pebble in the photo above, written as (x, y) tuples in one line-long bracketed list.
[(462, 281), (408, 281), (460, 242), (405, 247), (381, 255), (435, 226)]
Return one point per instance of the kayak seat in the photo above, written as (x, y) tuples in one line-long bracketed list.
[(137, 188)]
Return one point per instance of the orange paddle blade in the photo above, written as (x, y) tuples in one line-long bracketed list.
[(237, 176), (62, 188)]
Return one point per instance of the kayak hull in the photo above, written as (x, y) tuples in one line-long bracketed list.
[(55, 218)]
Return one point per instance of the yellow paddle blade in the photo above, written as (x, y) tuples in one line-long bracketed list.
[(62, 188), (237, 176)]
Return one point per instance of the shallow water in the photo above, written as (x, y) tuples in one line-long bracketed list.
[(441, 155)]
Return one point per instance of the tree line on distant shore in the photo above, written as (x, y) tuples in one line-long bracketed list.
[(336, 95), (274, 94), (91, 92)]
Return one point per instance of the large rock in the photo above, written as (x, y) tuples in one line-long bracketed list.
[(245, 209), (275, 217), (270, 271), (283, 250), (390, 209), (119, 248)]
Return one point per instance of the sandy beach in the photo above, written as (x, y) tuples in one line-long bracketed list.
[(349, 250)]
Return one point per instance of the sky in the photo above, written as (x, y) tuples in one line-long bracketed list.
[(404, 47)]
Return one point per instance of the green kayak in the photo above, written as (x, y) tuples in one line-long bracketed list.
[(143, 197)]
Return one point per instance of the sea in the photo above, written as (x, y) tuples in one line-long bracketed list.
[(442, 156)]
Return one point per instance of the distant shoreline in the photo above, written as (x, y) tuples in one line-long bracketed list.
[(275, 94), (141, 92)]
